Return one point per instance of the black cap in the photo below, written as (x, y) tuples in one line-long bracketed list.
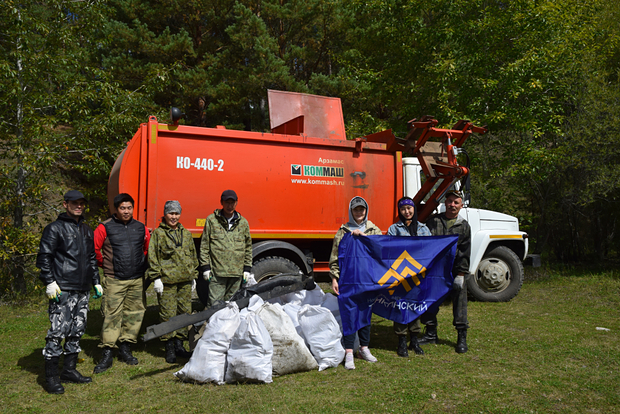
[(228, 194), (73, 195)]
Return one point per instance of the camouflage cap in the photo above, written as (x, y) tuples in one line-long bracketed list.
[(455, 193), (172, 206)]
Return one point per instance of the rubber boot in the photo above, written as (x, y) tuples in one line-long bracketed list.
[(179, 350), (70, 374), (461, 342), (124, 354), (430, 335), (52, 380), (415, 346), (402, 346), (105, 362), (171, 356)]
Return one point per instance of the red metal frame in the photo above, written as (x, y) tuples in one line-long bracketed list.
[(441, 169)]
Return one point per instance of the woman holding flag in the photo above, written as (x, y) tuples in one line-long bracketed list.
[(408, 225), (358, 225)]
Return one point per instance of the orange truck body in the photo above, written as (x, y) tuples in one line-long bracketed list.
[(294, 184)]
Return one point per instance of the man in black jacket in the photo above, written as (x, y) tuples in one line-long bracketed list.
[(68, 268), (121, 245), (442, 224)]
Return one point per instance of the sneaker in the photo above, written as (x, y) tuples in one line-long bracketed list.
[(364, 353), (348, 361)]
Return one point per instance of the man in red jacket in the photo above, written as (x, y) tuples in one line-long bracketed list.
[(121, 245)]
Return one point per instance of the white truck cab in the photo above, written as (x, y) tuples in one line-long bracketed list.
[(497, 245)]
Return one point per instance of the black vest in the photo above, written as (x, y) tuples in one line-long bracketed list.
[(127, 242)]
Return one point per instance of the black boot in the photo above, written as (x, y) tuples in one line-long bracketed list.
[(415, 346), (52, 381), (171, 356), (105, 362), (179, 350), (70, 374), (430, 335), (402, 346), (461, 342), (124, 354)]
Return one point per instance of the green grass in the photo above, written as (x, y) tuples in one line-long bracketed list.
[(539, 353)]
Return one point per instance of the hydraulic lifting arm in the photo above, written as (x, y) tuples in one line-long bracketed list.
[(436, 150)]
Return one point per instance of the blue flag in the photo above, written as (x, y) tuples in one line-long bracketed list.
[(397, 278)]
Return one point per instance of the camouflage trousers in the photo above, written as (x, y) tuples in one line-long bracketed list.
[(414, 327), (68, 320), (459, 310), (222, 288), (176, 299), (123, 310)]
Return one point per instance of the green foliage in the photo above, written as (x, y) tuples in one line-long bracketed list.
[(77, 78)]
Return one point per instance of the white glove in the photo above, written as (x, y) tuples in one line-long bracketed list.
[(98, 292), (206, 275), (158, 286), (251, 281), (246, 275), (194, 285), (458, 282), (53, 291)]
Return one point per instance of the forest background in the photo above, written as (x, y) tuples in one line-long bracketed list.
[(78, 77)]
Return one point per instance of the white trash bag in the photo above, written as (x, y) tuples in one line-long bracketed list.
[(330, 301), (208, 362), (250, 352), (296, 297), (255, 303), (292, 309), (314, 296), (323, 335), (290, 353)]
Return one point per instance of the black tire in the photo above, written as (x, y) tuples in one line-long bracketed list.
[(270, 266), (499, 276)]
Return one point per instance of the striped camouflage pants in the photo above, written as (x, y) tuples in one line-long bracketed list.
[(68, 321)]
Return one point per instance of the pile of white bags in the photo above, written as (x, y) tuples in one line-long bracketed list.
[(297, 332)]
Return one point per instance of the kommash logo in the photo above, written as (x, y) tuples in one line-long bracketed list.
[(316, 171), (399, 272)]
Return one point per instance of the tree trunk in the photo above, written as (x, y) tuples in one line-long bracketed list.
[(19, 282)]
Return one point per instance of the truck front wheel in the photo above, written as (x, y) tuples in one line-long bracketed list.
[(272, 266), (498, 278)]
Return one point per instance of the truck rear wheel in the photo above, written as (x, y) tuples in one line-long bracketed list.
[(498, 278), (272, 266)]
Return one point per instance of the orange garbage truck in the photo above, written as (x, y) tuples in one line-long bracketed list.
[(294, 185)]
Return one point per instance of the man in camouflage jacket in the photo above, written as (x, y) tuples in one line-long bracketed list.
[(225, 250), (442, 224), (172, 268)]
